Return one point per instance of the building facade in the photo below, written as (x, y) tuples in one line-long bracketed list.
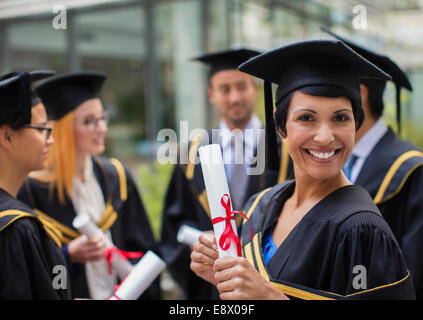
[(146, 46)]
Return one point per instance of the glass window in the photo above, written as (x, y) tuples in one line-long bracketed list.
[(181, 86), (112, 41), (34, 45)]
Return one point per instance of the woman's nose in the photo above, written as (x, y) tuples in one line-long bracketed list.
[(50, 140), (324, 134), (101, 126)]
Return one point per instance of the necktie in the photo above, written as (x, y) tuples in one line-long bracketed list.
[(350, 165), (239, 176)]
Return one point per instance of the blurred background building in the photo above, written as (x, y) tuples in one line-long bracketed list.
[(145, 47)]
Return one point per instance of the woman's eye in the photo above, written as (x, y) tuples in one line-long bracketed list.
[(88, 121), (342, 117), (305, 117)]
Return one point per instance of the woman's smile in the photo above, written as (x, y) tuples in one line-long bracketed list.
[(322, 155)]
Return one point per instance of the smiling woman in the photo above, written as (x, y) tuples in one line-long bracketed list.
[(90, 127), (323, 122), (310, 234)]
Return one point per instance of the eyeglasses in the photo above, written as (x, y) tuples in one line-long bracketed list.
[(41, 128), (93, 123)]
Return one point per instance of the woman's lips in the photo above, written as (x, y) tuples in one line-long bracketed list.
[(98, 141), (322, 155)]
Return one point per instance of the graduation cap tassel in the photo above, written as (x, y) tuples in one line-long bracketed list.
[(398, 97), (272, 160)]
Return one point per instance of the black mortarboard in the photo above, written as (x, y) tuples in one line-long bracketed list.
[(34, 76), (15, 96), (304, 64), (63, 93), (227, 59), (399, 78)]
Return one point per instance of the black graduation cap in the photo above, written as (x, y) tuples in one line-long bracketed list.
[(36, 76), (303, 64), (399, 78), (227, 59), (16, 96), (63, 93)]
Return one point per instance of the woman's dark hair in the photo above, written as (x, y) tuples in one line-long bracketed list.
[(14, 122), (322, 91)]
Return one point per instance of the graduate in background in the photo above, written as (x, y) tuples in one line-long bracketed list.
[(389, 168), (318, 236), (29, 249), (78, 182), (234, 95)]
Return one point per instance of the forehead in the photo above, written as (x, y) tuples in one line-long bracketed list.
[(89, 107), (301, 101), (38, 114), (229, 76)]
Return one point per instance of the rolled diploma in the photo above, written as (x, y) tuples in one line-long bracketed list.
[(216, 186), (141, 277), (188, 235), (86, 226)]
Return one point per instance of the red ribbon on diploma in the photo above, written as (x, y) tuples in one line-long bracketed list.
[(228, 234), (108, 255)]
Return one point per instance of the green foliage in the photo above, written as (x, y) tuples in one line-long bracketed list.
[(152, 181), (131, 111), (411, 129)]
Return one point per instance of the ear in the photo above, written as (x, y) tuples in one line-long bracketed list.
[(281, 134), (364, 91), (210, 92), (278, 129), (254, 82), (6, 136), (256, 86)]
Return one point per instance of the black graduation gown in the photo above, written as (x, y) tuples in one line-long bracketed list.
[(124, 216), (186, 203), (318, 259), (401, 204), (28, 255)]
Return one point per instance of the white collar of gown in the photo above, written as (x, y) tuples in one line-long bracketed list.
[(87, 199)]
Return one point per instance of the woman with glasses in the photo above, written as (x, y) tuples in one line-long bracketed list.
[(318, 236), (78, 182), (31, 263)]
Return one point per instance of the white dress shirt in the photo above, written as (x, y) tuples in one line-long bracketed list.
[(251, 137), (365, 145)]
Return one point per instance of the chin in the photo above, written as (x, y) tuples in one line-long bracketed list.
[(323, 175), (97, 151), (239, 119), (39, 166)]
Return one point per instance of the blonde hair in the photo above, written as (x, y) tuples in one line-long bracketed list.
[(61, 161)]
